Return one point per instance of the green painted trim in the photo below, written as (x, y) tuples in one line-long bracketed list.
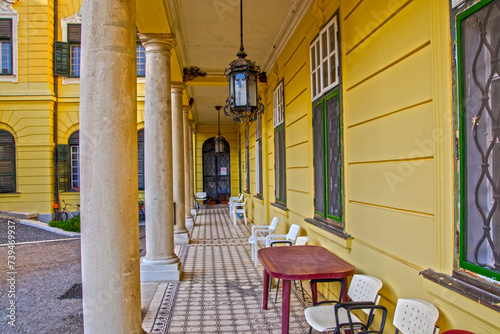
[(239, 170), (282, 176), (462, 126)]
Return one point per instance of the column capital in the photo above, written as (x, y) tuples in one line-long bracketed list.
[(177, 87), (158, 42)]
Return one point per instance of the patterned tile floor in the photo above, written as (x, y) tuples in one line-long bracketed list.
[(220, 290)]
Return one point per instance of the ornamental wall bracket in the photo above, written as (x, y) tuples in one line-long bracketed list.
[(191, 73), (318, 11), (6, 7)]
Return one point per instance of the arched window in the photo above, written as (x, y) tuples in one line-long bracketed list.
[(7, 162)]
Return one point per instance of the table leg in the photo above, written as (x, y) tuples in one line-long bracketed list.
[(285, 307), (266, 290)]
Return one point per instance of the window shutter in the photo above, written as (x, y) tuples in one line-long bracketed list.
[(6, 29), (61, 58), (74, 33), (140, 152), (7, 163), (63, 164)]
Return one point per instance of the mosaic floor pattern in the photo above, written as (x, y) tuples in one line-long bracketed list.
[(221, 290)]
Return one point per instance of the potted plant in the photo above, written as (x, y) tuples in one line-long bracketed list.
[(224, 199), (211, 201)]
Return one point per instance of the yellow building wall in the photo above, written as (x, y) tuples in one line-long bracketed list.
[(26, 110), (397, 149)]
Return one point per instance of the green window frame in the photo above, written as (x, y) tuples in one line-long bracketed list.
[(7, 162), (258, 154), (279, 143), (478, 80), (247, 159), (328, 157)]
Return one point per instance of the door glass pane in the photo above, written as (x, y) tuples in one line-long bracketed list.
[(324, 70), (333, 69), (324, 45), (332, 38), (319, 176), (333, 157), (480, 132)]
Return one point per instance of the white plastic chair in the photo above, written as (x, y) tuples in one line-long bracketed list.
[(200, 197), (290, 237), (415, 316), (233, 200), (259, 233), (239, 208), (363, 288)]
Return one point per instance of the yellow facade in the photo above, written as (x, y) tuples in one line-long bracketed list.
[(397, 136), (397, 143)]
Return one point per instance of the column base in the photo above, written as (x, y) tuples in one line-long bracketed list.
[(189, 223), (159, 271), (193, 212), (181, 237)]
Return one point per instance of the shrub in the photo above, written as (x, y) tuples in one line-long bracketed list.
[(72, 225)]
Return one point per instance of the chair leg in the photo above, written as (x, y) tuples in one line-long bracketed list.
[(234, 218), (244, 215), (277, 289)]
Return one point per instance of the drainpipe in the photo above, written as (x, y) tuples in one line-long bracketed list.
[(55, 115)]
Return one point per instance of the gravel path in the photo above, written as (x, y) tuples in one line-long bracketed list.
[(44, 271)]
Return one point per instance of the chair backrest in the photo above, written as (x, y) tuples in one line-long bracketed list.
[(364, 288), (293, 232), (274, 223), (415, 316), (301, 241), (201, 195)]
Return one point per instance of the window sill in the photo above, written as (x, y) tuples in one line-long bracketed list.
[(3, 195), (329, 227), (70, 81), (259, 196), (467, 286), (280, 206), (8, 78)]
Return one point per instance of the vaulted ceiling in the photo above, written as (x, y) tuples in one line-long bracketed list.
[(208, 37)]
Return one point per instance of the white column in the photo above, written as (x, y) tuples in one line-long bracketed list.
[(188, 199), (160, 262), (181, 234), (191, 167), (109, 175)]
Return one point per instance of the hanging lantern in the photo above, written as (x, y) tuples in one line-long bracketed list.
[(243, 103), (219, 140)]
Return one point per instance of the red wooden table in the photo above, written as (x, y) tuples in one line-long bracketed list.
[(299, 263)]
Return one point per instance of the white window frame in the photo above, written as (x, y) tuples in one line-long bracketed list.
[(8, 12), (278, 105), (317, 59), (75, 164), (75, 18)]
